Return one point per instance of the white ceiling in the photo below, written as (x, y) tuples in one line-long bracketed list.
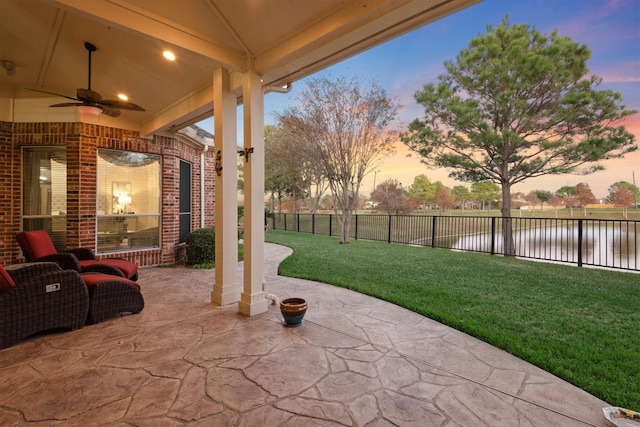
[(281, 40)]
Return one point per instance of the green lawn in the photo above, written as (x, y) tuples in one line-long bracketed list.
[(580, 324)]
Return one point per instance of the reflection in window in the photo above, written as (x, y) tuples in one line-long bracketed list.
[(128, 200), (44, 197)]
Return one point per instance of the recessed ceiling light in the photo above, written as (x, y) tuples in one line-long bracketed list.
[(169, 55), (123, 97)]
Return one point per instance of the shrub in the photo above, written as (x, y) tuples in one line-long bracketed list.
[(201, 246)]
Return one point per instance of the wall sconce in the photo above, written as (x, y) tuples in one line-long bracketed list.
[(245, 152)]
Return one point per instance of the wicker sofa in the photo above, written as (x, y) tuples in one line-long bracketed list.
[(38, 297)]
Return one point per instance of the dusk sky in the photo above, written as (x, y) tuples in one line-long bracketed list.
[(610, 28)]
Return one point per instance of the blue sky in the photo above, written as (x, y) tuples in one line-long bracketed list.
[(610, 28)]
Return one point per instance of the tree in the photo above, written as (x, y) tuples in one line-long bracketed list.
[(556, 201), (283, 177), (390, 197), (345, 126), (633, 190), (485, 192), (517, 104), (532, 199), (566, 190), (543, 196), (327, 202), (569, 196), (461, 194), (445, 199), (585, 196), (518, 200), (623, 194), (291, 170), (424, 190)]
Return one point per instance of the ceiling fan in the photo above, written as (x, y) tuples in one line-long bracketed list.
[(89, 98)]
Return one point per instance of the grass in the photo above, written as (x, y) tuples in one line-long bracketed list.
[(579, 324)]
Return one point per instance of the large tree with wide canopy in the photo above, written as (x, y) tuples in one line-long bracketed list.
[(517, 104)]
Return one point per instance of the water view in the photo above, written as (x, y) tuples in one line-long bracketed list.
[(609, 244)]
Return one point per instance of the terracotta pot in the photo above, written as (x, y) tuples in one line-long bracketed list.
[(293, 310)]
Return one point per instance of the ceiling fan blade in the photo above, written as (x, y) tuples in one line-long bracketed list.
[(55, 94), (122, 105), (88, 95), (67, 104), (109, 111)]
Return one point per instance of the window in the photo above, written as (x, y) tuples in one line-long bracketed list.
[(128, 200), (185, 200), (44, 192)]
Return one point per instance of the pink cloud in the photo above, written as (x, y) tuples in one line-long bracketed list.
[(624, 71), (632, 123)]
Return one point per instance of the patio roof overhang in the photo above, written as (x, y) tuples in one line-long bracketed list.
[(227, 51), (280, 40)]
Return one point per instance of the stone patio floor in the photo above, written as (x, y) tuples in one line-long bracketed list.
[(355, 361)]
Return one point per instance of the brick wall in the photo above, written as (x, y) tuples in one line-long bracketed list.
[(82, 141), (9, 194)]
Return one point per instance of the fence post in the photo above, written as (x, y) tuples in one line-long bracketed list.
[(313, 223), (355, 234), (389, 230), (285, 221), (298, 223), (330, 224), (433, 231), (580, 242), (493, 235)]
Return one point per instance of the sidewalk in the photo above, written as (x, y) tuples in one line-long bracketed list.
[(355, 361)]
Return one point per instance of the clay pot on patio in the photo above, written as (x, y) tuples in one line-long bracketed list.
[(293, 310)]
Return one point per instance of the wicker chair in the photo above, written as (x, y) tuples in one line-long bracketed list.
[(111, 295), (38, 297), (37, 246)]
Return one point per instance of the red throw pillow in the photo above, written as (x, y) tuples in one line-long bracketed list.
[(6, 282)]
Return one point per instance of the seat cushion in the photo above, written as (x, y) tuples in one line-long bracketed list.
[(6, 282), (36, 244), (92, 279), (128, 268), (84, 263)]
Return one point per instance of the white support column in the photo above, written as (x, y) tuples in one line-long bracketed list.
[(252, 299), (226, 289)]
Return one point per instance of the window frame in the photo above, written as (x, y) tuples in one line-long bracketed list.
[(118, 225)]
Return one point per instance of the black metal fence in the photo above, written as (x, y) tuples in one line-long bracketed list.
[(595, 242)]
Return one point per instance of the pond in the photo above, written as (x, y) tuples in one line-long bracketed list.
[(609, 244)]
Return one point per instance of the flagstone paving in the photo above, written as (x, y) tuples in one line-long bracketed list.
[(355, 361)]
